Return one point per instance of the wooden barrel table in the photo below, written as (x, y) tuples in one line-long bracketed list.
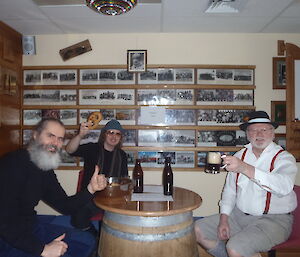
[(149, 229)]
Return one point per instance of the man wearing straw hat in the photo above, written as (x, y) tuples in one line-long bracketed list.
[(257, 199)]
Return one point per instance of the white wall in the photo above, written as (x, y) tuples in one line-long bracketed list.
[(234, 49)]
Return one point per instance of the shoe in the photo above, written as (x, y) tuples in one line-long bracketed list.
[(92, 230)]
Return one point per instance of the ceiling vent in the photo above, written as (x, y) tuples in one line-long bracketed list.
[(225, 6)]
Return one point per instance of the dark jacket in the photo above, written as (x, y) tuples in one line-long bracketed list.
[(112, 164), (22, 186)]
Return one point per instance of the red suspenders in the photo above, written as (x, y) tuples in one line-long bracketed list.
[(237, 174), (268, 198)]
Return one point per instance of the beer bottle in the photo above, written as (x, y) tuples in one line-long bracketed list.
[(168, 177), (138, 177)]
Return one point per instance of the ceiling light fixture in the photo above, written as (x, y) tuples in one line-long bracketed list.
[(111, 7)]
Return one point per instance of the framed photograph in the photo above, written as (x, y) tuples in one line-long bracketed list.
[(136, 60), (125, 116), (224, 97), (243, 77), (166, 76), (148, 159), (201, 159), (131, 156), (6, 82), (225, 76), (278, 112), (106, 96), (185, 159), (105, 76), (184, 76), (129, 138), (166, 138), (67, 160), (279, 73), (50, 77), (221, 117), (180, 117), (222, 138), (27, 134), (31, 117), (49, 97), (13, 86), (161, 156)]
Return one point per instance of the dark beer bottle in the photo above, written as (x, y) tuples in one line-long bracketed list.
[(138, 177), (168, 177)]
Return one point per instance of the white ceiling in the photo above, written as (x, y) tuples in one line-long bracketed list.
[(168, 16)]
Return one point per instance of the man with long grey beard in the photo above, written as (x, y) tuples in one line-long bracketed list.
[(26, 177)]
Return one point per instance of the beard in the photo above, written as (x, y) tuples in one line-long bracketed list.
[(260, 145), (46, 157)]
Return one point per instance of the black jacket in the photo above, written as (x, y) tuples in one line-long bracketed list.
[(22, 186), (112, 164)]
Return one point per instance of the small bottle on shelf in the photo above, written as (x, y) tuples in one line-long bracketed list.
[(167, 177), (138, 177)]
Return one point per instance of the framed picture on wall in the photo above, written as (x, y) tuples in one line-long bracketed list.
[(136, 60), (50, 77), (278, 112), (279, 73)]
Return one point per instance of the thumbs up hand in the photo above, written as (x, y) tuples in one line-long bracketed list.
[(97, 182)]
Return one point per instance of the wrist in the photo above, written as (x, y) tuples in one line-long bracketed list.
[(90, 189), (80, 136), (223, 217)]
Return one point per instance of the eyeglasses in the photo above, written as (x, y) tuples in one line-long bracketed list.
[(113, 133), (262, 131)]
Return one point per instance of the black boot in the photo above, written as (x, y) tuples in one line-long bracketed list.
[(93, 231)]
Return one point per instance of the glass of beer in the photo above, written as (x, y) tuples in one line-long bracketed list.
[(213, 162)]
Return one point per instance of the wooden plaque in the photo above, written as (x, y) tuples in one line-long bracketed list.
[(75, 50)]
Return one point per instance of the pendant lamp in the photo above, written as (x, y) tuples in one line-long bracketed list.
[(111, 7)]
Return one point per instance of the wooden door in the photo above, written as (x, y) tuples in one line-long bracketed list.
[(10, 77), (293, 99)]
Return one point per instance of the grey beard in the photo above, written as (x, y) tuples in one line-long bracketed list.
[(42, 158)]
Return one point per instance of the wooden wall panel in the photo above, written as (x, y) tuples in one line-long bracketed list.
[(10, 78)]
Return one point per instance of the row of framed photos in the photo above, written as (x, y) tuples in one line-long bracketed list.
[(153, 159), (139, 97), (143, 116), (104, 76), (164, 138)]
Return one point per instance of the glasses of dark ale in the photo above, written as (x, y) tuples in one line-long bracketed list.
[(213, 162)]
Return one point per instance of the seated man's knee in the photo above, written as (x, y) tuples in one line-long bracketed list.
[(232, 253), (198, 233)]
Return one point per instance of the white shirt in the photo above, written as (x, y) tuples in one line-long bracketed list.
[(250, 196)]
